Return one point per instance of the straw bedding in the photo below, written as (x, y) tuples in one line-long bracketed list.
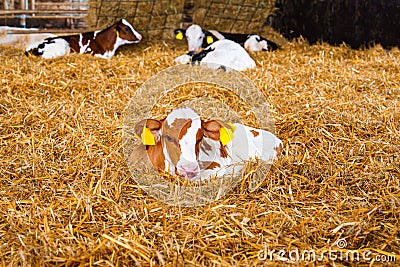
[(67, 197)]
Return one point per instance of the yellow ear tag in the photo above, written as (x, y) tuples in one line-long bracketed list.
[(116, 32), (225, 135), (179, 36), (148, 137), (210, 40)]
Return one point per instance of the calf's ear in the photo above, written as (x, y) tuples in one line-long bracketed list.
[(179, 34), (219, 131), (117, 30), (149, 131), (226, 134)]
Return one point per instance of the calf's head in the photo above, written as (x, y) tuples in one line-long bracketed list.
[(256, 43), (194, 35), (126, 32), (179, 136)]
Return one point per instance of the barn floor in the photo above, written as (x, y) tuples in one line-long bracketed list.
[(67, 197)]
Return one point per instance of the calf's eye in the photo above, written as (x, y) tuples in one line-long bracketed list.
[(169, 138)]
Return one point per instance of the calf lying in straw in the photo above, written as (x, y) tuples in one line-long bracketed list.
[(223, 53), (102, 43), (185, 145), (198, 38)]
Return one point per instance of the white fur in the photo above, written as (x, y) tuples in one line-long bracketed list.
[(229, 54), (95, 34), (188, 158), (59, 48), (184, 59), (253, 45), (195, 37), (243, 147), (246, 146), (213, 155), (83, 48), (217, 34)]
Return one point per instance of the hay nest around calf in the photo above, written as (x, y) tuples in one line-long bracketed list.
[(67, 197)]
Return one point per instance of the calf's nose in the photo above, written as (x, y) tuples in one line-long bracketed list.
[(190, 170)]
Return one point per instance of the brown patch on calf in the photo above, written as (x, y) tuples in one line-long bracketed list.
[(209, 165), (87, 37), (212, 128), (153, 125), (255, 133), (147, 156), (154, 153), (172, 134), (150, 123), (223, 152), (104, 40), (212, 131), (184, 129), (207, 148), (278, 149), (199, 137)]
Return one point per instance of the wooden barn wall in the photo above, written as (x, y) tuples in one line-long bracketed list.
[(44, 13), (356, 22)]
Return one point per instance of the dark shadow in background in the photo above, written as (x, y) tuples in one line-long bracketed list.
[(358, 23)]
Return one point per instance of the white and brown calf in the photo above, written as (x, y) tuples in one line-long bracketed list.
[(173, 144), (183, 144), (102, 43)]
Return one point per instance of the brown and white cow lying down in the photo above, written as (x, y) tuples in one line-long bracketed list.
[(183, 144), (102, 43)]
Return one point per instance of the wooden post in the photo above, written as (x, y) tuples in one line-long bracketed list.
[(22, 20), (68, 22), (8, 4), (33, 5)]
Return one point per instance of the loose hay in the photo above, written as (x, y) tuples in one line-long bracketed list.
[(225, 95), (67, 197)]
